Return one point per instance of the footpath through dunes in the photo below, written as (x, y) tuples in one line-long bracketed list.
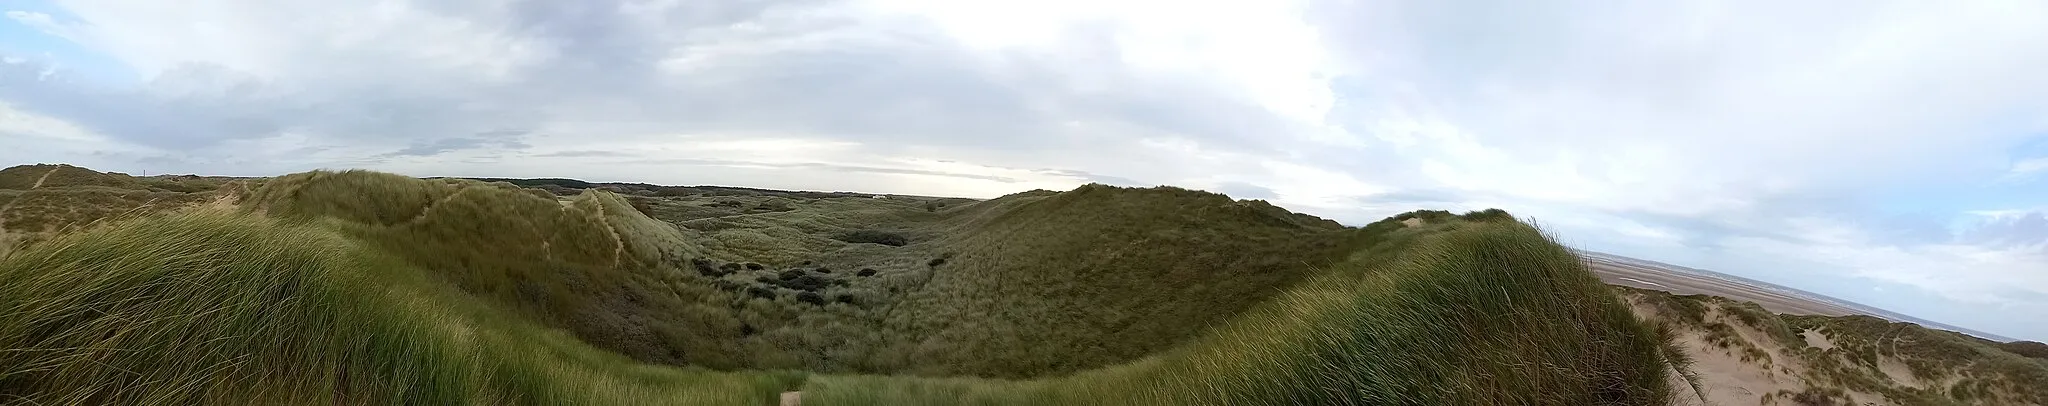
[(37, 201), (368, 288)]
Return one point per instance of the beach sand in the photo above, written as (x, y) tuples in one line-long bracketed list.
[(1680, 282)]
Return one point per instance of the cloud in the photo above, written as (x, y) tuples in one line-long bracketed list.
[(41, 22), (1242, 190), (507, 139), (583, 154), (2029, 166)]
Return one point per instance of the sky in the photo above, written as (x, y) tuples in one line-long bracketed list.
[(1892, 153)]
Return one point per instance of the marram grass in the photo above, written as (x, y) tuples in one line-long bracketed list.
[(366, 288), (215, 307), (1487, 314)]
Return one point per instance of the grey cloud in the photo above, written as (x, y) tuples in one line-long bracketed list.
[(1420, 198), (834, 167), (1092, 177), (583, 154), (2026, 229), (500, 139), (888, 83), (1241, 190)]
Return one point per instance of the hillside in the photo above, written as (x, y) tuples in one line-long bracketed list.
[(366, 287)]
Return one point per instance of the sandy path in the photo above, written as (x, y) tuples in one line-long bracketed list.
[(618, 244), (46, 176), (424, 211), (18, 199)]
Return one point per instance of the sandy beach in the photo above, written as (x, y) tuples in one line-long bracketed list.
[(1683, 283)]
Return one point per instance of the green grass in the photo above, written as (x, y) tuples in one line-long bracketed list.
[(592, 265), (1094, 277), (2029, 349), (26, 176), (1485, 314), (211, 307), (370, 288)]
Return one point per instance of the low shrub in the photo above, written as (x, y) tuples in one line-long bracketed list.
[(874, 237)]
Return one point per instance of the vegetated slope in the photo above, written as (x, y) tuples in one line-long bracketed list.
[(460, 283), (591, 264), (47, 175), (37, 201), (1748, 355), (2030, 349), (1097, 276), (210, 306), (1477, 314)]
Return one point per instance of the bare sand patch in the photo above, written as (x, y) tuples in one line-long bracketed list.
[(1818, 340), (1899, 372), (1727, 379)]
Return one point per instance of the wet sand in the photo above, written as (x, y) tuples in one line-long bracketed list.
[(1684, 283)]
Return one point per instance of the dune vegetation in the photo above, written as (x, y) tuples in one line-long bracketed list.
[(1848, 360), (360, 287)]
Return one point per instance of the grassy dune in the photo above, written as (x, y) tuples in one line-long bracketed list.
[(215, 307), (370, 288), (1097, 276), (1481, 314)]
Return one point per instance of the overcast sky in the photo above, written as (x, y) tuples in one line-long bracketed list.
[(1893, 153)]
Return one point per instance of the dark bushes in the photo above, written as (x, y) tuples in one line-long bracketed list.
[(866, 272), (2030, 349), (874, 237), (809, 297), (709, 268), (644, 206), (807, 283)]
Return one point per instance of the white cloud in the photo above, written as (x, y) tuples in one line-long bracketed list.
[(2001, 275), (41, 22), (16, 123), (2029, 166)]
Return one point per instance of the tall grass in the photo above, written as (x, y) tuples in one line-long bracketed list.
[(366, 288), (214, 307), (1484, 314), (1094, 277)]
